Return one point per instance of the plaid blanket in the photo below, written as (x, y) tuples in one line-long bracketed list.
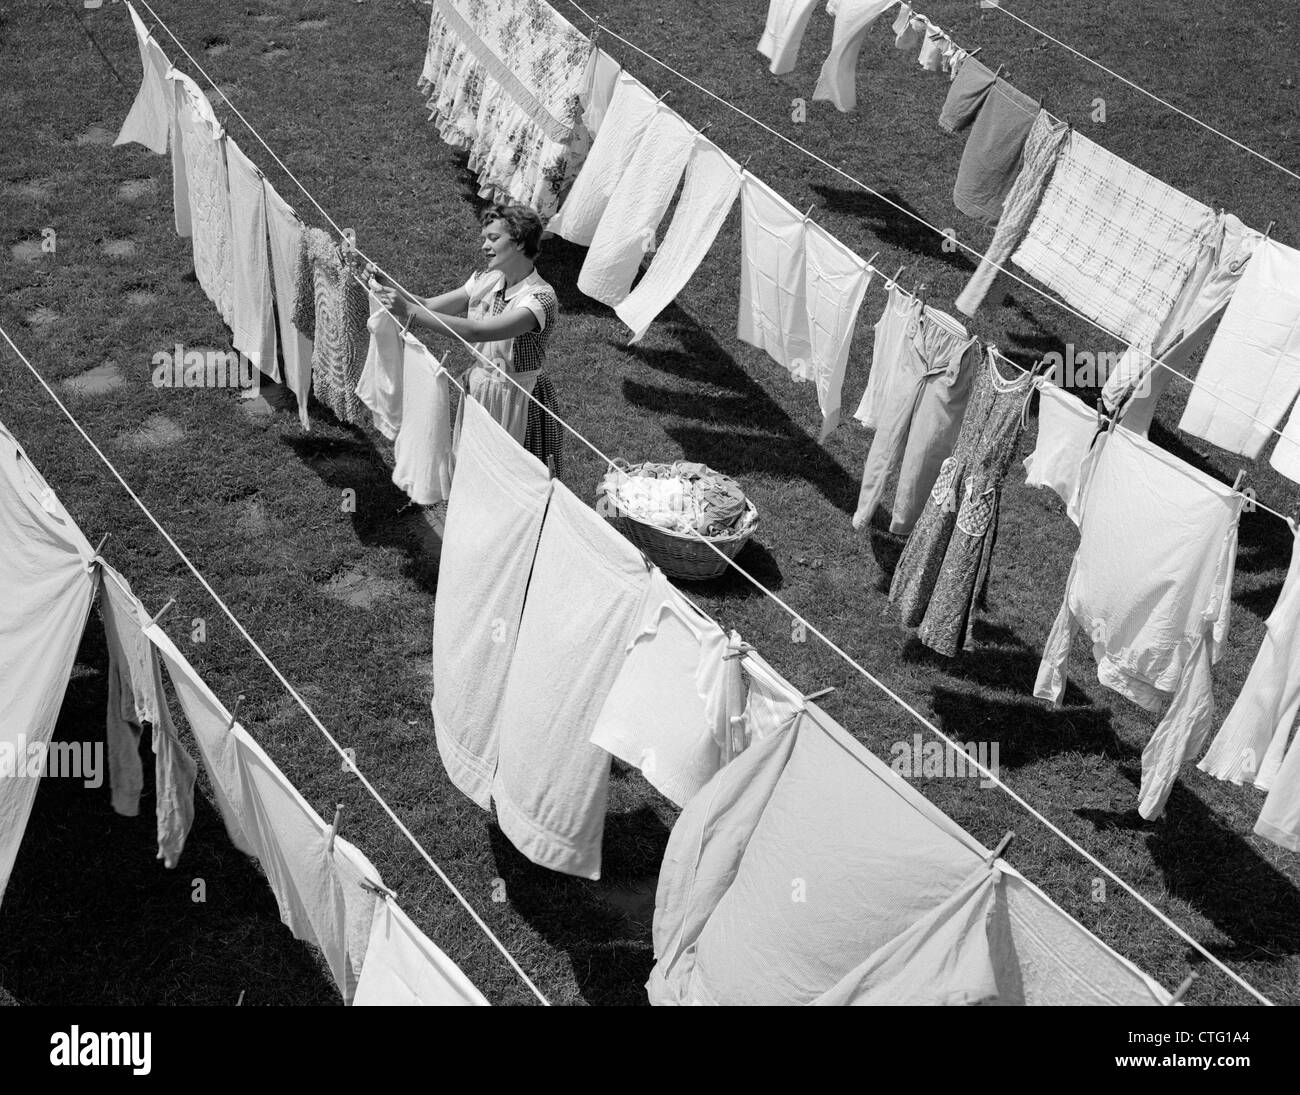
[(1113, 241)]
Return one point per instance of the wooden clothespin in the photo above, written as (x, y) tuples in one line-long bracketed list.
[(664, 96), (375, 888), (102, 541), (159, 613), (595, 33), (745, 648), (349, 241), (974, 51), (1181, 990), (818, 694), (894, 279), (922, 294), (870, 267), (234, 712), (704, 129), (1003, 845), (334, 827), (1241, 478), (1269, 230), (810, 209)]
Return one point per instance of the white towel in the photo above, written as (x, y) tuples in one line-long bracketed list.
[(835, 283), (630, 112), (773, 314), (404, 969), (712, 183), (207, 192), (602, 79), (627, 227), (285, 232), (494, 517), (1251, 372), (149, 120), (317, 888), (254, 306), (584, 601)]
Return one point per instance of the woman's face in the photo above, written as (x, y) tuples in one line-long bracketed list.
[(498, 247)]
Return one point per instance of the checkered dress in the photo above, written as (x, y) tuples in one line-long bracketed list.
[(545, 436)]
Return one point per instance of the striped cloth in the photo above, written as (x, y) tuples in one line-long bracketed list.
[(1113, 241)]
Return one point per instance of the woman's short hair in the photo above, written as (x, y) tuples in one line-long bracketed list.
[(523, 225)]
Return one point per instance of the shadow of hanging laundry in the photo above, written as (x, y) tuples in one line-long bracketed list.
[(92, 917)]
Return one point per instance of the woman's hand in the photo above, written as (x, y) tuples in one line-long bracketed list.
[(389, 297)]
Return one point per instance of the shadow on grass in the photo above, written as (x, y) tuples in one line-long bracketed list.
[(892, 225), (1001, 660), (1195, 852), (91, 916), (746, 430), (1191, 846), (384, 516), (611, 951)]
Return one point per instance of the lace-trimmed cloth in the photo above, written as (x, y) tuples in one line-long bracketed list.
[(505, 82)]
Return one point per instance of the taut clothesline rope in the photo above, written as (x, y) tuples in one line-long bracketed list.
[(1138, 87), (348, 761), (758, 585), (933, 228)]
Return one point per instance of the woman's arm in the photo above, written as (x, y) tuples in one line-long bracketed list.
[(444, 314), (509, 324), (402, 303)]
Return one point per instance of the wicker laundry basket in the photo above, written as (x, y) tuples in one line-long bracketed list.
[(680, 554)]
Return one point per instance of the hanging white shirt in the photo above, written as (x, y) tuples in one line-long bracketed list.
[(838, 78), (672, 704), (1151, 583), (422, 450), (783, 31), (1066, 429)]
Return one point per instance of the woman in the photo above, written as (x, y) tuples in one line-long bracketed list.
[(507, 311)]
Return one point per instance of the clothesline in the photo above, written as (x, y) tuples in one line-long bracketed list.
[(922, 221), (866, 674), (996, 5), (348, 761)]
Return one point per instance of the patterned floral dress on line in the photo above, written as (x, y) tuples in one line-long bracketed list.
[(944, 568)]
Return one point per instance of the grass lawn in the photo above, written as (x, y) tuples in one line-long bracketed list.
[(343, 601)]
